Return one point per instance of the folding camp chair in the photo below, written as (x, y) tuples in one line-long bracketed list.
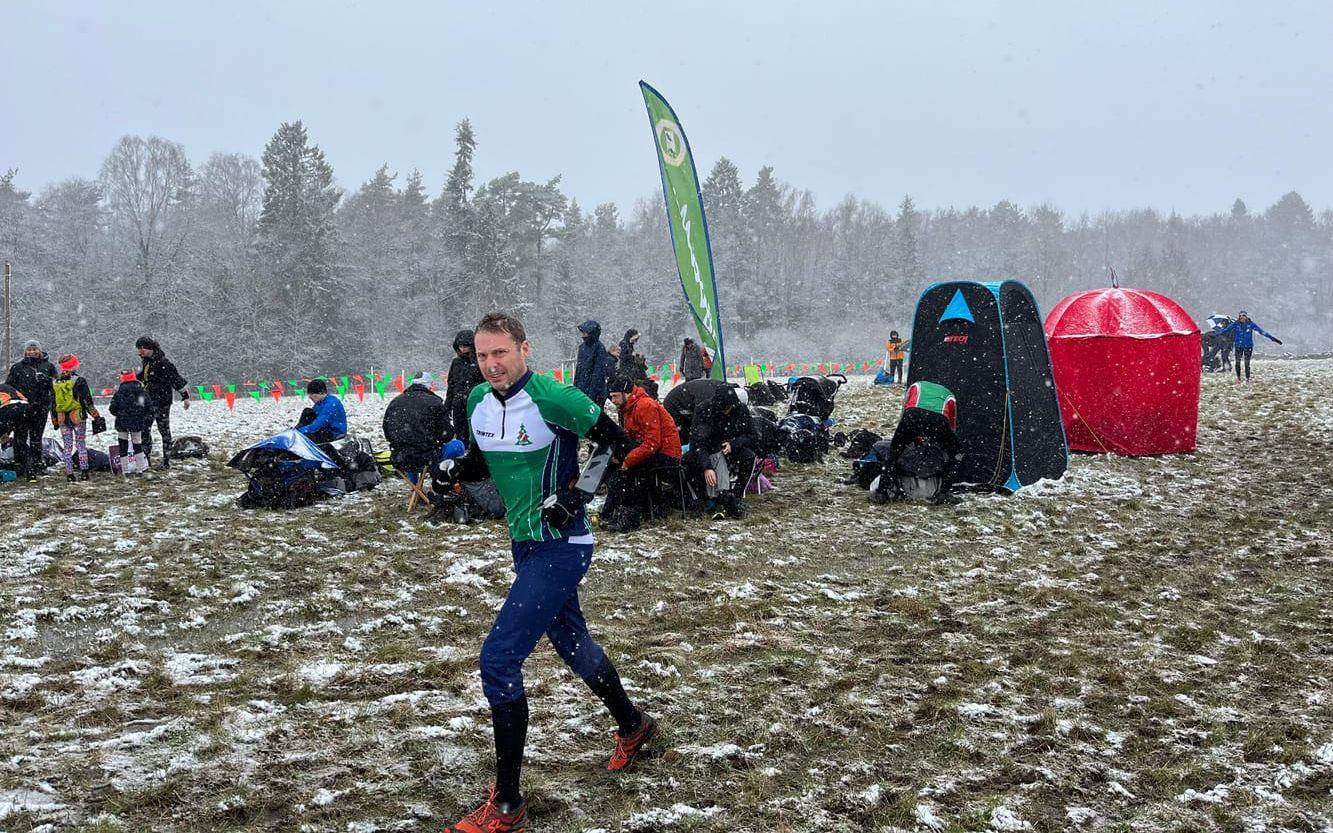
[(663, 476), (418, 494)]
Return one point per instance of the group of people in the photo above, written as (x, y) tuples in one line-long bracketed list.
[(36, 391), (704, 415), (1228, 335), (598, 365)]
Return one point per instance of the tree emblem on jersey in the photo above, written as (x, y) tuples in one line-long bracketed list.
[(523, 438)]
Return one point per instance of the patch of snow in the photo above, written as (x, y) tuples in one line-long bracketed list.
[(927, 817), (658, 818), (1002, 818)]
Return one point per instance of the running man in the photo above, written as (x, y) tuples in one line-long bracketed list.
[(1244, 330), (525, 432)]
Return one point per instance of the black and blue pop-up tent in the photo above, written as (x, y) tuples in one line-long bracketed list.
[(985, 342)]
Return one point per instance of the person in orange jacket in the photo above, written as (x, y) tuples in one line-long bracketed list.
[(895, 350), (647, 422)]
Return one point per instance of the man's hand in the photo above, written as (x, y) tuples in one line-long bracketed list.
[(710, 479), (559, 509), (726, 448), (1277, 340), (185, 403)]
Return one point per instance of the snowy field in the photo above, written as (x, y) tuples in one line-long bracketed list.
[(1145, 645)]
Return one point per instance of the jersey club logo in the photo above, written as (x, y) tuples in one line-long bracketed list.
[(523, 438)]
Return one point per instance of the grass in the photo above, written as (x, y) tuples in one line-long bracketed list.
[(1145, 627)]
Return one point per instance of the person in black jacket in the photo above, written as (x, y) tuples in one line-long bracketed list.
[(160, 379), (133, 411), (416, 424), (682, 401), (33, 376), (464, 375), (13, 410), (595, 366), (629, 363), (722, 433)]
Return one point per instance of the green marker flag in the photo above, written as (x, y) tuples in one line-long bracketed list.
[(689, 226)]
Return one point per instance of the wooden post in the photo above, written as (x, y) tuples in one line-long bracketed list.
[(7, 338)]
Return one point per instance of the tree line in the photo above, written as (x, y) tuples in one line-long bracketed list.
[(246, 267)]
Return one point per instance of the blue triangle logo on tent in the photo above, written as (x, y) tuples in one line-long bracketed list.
[(957, 308)]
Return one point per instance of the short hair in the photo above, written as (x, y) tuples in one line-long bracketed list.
[(316, 386), (501, 322)]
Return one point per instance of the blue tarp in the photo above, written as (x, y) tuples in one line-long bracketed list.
[(291, 441)]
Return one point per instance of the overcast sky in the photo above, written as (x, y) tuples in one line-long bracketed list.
[(1173, 105)]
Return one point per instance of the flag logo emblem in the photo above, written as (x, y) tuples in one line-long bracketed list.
[(671, 142)]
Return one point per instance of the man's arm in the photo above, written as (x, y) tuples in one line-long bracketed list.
[(178, 382), (651, 441), (320, 421)]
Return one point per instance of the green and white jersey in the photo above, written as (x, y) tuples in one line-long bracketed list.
[(530, 439)]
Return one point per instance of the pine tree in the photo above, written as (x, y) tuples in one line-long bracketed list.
[(296, 243), (907, 258), (454, 222)]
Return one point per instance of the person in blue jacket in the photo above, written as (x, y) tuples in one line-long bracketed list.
[(595, 365), (326, 421), (1243, 330)]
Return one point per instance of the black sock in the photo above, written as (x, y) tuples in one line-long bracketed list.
[(605, 683), (510, 722), (124, 446)]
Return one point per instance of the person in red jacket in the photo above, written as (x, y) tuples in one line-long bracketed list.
[(648, 423)]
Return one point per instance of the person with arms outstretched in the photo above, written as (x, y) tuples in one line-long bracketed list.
[(1243, 330)]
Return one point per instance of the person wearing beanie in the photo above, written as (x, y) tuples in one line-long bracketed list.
[(722, 439), (33, 376), (163, 384), (71, 408), (134, 413), (464, 375), (326, 420), (647, 422), (895, 351), (417, 425)]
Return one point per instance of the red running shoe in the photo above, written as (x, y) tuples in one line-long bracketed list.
[(487, 818), (627, 749)]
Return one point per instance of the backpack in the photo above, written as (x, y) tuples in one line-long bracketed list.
[(707, 361), (859, 442), (805, 438), (279, 484), (189, 446), (767, 392)]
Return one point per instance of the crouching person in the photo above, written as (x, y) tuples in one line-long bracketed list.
[(722, 440), (922, 458), (133, 415), (326, 420), (648, 424)]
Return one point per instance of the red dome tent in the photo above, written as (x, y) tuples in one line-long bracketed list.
[(1126, 365)]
